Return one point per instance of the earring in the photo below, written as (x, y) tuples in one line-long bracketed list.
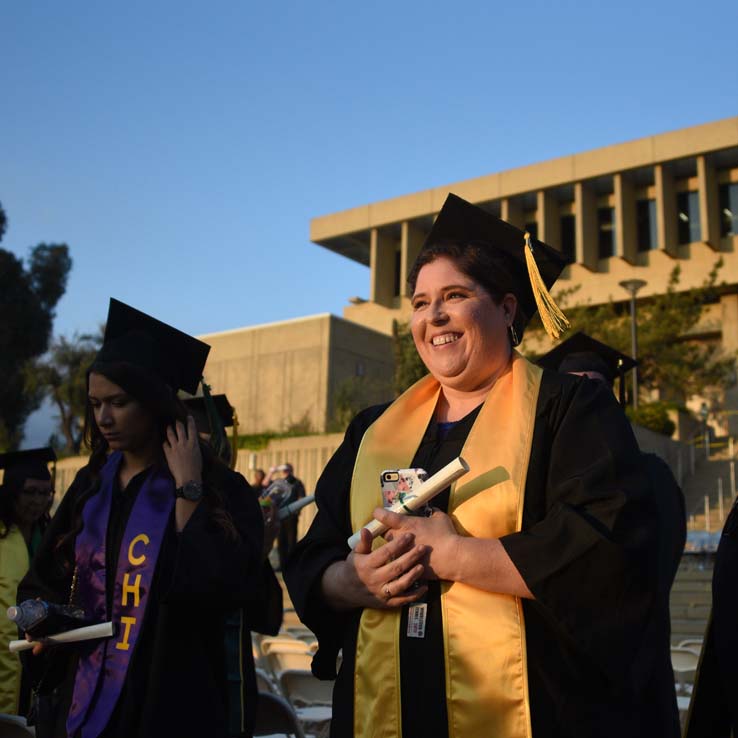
[(513, 335)]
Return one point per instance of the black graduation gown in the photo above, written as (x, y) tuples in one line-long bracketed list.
[(176, 680), (713, 712), (587, 552)]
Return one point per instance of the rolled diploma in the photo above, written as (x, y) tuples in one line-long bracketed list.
[(424, 494), (294, 507), (88, 633)]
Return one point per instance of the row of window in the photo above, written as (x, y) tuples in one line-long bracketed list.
[(688, 222)]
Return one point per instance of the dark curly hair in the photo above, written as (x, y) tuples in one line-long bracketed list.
[(495, 272)]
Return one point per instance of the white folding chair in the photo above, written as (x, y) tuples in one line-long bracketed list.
[(275, 716), (684, 662)]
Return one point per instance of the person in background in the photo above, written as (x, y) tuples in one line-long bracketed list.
[(26, 495), (583, 356), (155, 534), (213, 414), (258, 481), (287, 489)]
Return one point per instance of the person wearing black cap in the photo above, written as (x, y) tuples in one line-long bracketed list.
[(516, 609), (213, 414), (584, 356), (26, 495), (154, 534)]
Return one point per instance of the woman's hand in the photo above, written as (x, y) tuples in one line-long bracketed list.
[(182, 451), (435, 533), (38, 646), (379, 579)]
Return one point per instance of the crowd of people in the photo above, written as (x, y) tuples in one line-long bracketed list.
[(531, 600)]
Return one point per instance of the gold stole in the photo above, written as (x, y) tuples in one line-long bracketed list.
[(484, 632)]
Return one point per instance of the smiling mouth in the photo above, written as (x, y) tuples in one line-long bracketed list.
[(445, 338)]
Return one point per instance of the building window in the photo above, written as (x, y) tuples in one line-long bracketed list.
[(729, 209), (646, 221), (688, 213), (532, 228), (605, 232), (568, 237)]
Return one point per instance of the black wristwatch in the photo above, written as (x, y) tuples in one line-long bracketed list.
[(192, 491)]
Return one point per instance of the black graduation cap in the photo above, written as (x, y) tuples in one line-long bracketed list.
[(136, 338), (527, 267), (198, 409), (582, 353), (29, 464)]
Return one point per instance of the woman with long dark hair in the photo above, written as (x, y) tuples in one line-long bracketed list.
[(25, 498), (154, 534)]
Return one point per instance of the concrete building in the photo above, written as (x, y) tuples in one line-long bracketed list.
[(631, 210), (288, 374)]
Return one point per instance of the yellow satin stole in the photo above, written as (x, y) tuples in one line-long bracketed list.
[(483, 632)]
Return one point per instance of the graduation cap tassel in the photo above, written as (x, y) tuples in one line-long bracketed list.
[(554, 321), (234, 440), (218, 438)]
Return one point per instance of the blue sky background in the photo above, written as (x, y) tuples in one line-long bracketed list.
[(180, 149)]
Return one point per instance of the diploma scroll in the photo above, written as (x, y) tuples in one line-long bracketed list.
[(424, 494), (294, 507), (88, 633)]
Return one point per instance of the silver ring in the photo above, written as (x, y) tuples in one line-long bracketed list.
[(387, 592)]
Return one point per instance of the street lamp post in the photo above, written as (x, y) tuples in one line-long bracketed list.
[(632, 286)]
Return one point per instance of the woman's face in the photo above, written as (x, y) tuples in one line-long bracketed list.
[(33, 500), (459, 331), (123, 421)]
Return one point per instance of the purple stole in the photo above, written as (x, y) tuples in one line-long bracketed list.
[(101, 671)]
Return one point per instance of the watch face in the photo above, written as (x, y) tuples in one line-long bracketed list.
[(191, 491)]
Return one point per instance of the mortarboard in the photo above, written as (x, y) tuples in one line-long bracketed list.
[(198, 409), (30, 464), (527, 267), (136, 338), (582, 353)]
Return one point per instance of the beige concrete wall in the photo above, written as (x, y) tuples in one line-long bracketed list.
[(278, 375), (275, 375)]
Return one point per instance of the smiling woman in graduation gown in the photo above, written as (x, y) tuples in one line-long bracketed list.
[(164, 541), (541, 578)]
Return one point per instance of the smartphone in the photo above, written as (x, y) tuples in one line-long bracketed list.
[(398, 485)]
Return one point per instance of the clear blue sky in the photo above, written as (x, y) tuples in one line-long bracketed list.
[(180, 149)]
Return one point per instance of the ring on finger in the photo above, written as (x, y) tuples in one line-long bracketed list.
[(387, 592)]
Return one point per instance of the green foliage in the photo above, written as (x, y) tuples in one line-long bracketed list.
[(409, 367), (62, 376), (654, 416), (28, 296), (353, 395), (670, 359)]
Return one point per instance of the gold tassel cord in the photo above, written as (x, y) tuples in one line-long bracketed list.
[(554, 321), (234, 440)]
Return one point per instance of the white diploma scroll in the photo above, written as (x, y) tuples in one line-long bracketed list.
[(294, 507), (88, 633), (421, 496)]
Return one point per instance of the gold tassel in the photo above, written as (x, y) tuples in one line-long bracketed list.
[(234, 440), (554, 321)]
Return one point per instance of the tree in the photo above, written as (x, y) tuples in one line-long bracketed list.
[(354, 394), (671, 359), (409, 367), (28, 296), (62, 376)]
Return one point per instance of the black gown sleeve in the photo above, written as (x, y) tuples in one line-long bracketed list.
[(324, 544), (50, 578), (589, 555), (218, 557)]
